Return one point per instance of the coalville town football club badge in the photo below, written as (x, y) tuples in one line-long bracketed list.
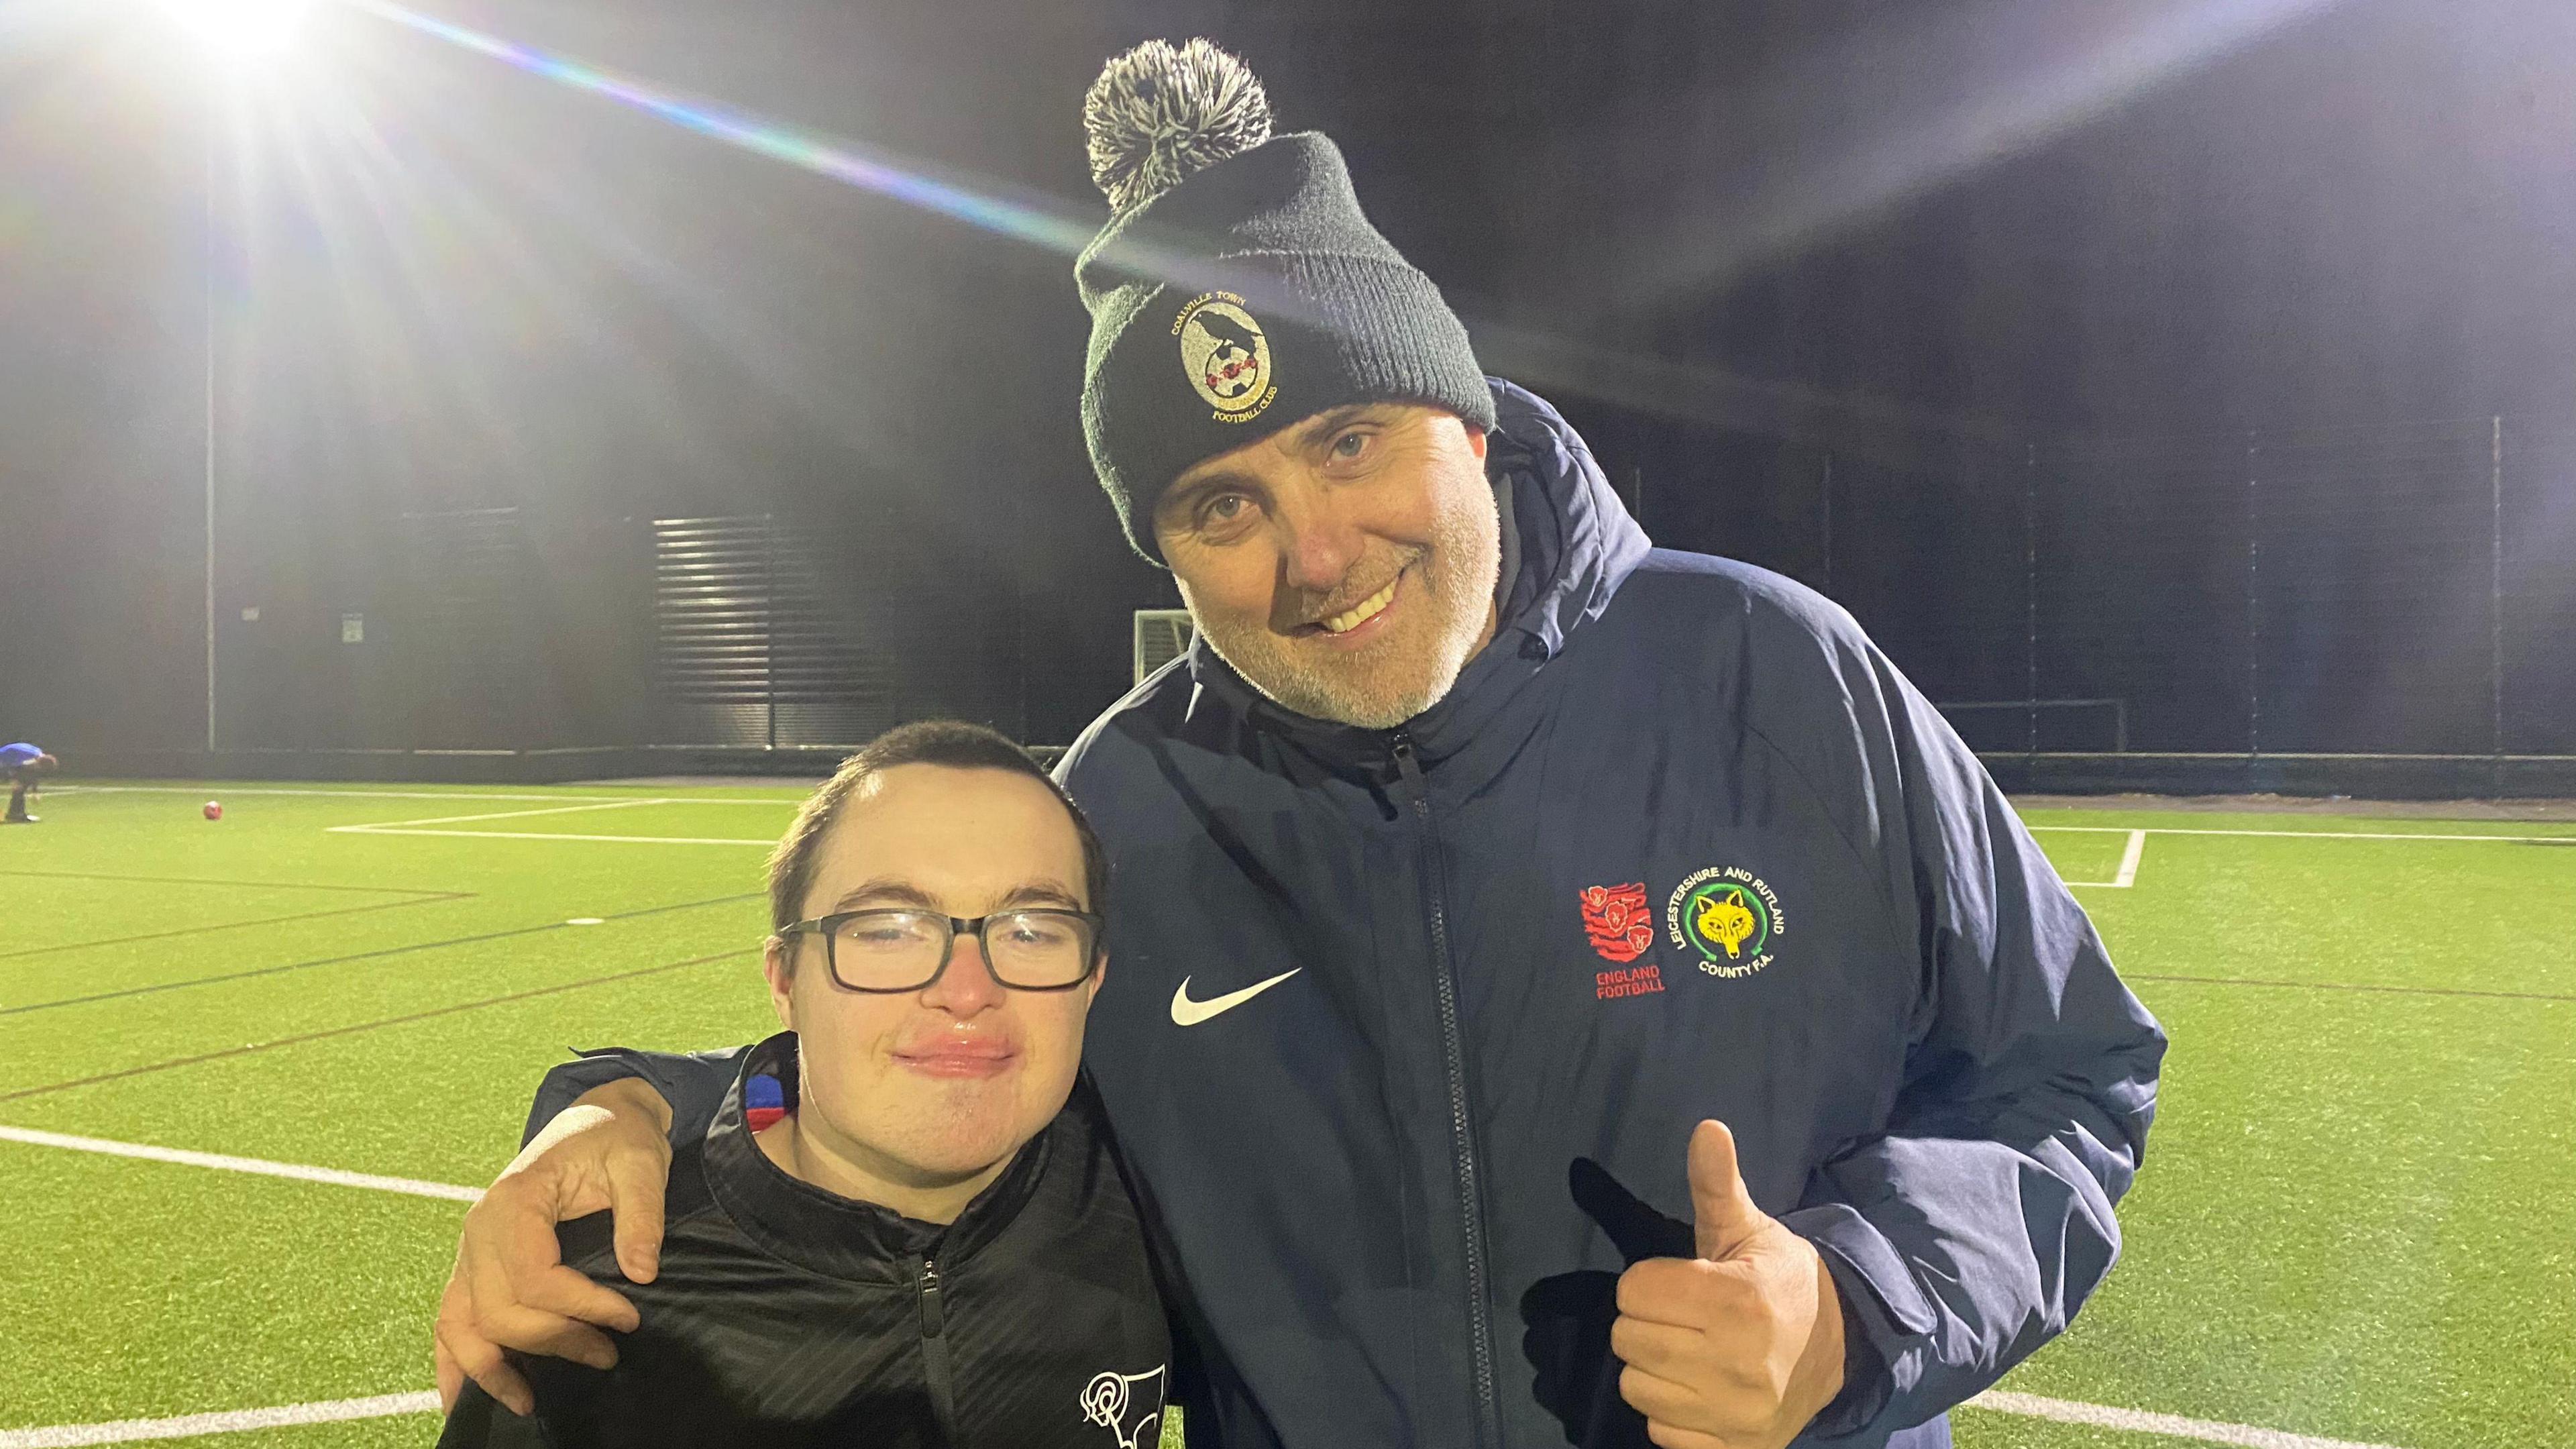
[(1226, 355), (1729, 917)]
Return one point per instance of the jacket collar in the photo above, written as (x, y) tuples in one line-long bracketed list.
[(1574, 545), (835, 1235)]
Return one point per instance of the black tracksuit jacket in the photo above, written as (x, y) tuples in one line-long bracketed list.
[(785, 1315)]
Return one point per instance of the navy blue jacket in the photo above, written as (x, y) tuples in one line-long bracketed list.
[(1680, 844)]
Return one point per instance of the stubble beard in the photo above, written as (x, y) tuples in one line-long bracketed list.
[(1412, 668)]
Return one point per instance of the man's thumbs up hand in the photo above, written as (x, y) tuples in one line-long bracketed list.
[(1723, 1217), (1740, 1347)]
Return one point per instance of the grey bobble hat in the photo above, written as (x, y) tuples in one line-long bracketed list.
[(1237, 288)]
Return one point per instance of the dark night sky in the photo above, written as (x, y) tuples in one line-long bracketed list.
[(1717, 233)]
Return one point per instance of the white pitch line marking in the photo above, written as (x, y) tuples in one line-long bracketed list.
[(493, 815), (2128, 872), (543, 835), (2127, 875), (2067, 1411), (259, 1166), (2304, 834), (405, 794), (186, 1426), (424, 826)]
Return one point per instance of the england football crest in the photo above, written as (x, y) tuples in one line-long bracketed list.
[(1617, 920)]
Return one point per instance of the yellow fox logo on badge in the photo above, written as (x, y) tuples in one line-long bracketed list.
[(1728, 917), (1725, 920)]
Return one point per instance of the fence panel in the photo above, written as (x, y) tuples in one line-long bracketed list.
[(2374, 590), (2142, 576), (2536, 588)]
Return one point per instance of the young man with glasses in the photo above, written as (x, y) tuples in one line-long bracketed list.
[(905, 1226)]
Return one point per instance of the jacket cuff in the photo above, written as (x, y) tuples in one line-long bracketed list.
[(566, 1081), (1885, 1312)]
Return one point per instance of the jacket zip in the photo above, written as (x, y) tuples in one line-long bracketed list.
[(1461, 1126), (934, 1354)]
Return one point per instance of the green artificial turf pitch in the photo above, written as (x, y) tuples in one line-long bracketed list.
[(2358, 1219)]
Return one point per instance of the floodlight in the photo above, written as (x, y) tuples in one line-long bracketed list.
[(241, 30)]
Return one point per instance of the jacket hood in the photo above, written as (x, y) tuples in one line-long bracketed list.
[(1575, 545), (1578, 543)]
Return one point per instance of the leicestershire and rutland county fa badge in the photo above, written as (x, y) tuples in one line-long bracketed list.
[(1727, 915), (1226, 355)]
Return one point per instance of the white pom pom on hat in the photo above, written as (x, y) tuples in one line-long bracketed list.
[(1160, 112)]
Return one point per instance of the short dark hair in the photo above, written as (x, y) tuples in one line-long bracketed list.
[(955, 744)]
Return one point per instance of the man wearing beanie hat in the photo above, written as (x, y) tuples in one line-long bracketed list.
[(1573, 992)]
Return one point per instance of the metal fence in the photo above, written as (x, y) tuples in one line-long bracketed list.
[(2394, 589), (2401, 589)]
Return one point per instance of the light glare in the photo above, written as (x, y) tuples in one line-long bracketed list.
[(241, 30)]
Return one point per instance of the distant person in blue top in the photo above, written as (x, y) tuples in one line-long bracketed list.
[(25, 764)]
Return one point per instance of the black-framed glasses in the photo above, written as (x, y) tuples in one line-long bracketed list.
[(897, 950)]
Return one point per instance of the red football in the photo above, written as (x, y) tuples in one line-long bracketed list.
[(214, 810)]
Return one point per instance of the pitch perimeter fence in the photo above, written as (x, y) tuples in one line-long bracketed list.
[(2394, 590), (2308, 598)]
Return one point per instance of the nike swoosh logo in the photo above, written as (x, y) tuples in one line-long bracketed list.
[(1186, 1012)]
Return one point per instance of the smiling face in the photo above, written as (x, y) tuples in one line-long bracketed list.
[(916, 1099), (1345, 565)]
